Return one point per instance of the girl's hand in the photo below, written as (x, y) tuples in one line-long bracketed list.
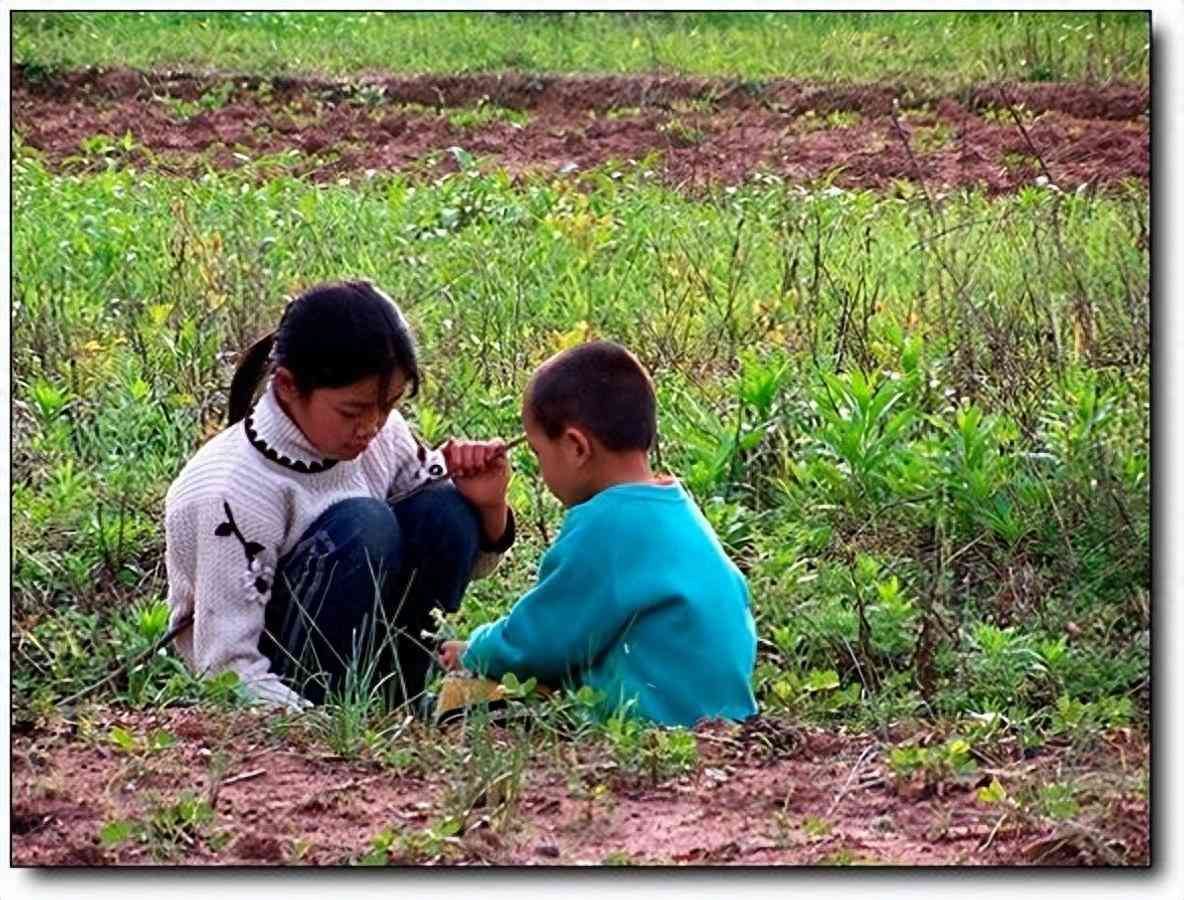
[(480, 471), (451, 653)]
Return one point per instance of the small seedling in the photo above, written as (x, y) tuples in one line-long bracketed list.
[(932, 137), (485, 113), (816, 826), (126, 742), (618, 858), (937, 765), (392, 846), (681, 134), (297, 850), (1057, 801), (167, 827), (992, 793)]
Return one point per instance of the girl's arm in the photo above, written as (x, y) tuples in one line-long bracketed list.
[(233, 567)]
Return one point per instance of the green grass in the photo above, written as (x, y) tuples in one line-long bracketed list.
[(922, 432), (943, 48)]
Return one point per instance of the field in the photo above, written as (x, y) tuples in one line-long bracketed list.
[(891, 274)]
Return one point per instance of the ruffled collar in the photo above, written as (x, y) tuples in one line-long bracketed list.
[(278, 438)]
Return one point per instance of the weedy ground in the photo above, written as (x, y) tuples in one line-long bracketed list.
[(918, 418)]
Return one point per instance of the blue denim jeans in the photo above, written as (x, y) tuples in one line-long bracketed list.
[(350, 601)]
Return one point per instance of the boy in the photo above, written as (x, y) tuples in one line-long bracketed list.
[(636, 597)]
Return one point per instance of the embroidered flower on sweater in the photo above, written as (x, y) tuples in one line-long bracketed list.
[(257, 580)]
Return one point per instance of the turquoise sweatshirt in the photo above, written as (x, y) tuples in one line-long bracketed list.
[(637, 599)]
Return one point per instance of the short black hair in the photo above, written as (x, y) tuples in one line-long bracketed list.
[(600, 387)]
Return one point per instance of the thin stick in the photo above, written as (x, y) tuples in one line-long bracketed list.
[(514, 443), (245, 776), (181, 625), (991, 836), (1019, 123), (854, 770), (916, 167)]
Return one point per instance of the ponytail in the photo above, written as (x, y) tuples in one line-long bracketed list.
[(247, 377), (332, 335)]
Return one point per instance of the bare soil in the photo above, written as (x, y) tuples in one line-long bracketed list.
[(770, 794), (703, 131)]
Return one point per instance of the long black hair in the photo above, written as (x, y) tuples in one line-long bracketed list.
[(332, 335)]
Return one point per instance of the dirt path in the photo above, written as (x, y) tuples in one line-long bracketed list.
[(704, 131), (774, 795)]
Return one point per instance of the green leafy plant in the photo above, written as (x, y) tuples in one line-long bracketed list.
[(818, 691), (485, 113), (167, 828), (931, 138), (816, 826), (412, 847), (657, 752), (154, 742), (974, 474), (865, 421), (1004, 661), (1057, 801), (936, 765), (992, 793)]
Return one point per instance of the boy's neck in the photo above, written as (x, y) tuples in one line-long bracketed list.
[(621, 468)]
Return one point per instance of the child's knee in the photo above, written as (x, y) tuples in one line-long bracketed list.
[(369, 529), (447, 525)]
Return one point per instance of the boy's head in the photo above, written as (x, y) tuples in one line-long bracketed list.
[(591, 418)]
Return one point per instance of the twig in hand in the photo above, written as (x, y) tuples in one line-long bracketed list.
[(437, 479)]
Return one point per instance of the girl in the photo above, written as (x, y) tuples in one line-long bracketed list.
[(302, 537)]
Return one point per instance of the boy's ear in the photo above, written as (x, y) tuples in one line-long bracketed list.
[(579, 445)]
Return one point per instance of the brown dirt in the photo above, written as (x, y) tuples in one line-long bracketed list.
[(775, 795), (706, 131)]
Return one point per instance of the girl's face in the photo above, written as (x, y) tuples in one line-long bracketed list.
[(340, 422)]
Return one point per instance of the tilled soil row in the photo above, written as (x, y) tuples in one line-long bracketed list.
[(559, 93), (699, 131)]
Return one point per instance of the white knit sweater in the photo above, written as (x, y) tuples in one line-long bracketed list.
[(240, 504)]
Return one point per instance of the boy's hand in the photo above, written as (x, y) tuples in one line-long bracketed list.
[(480, 471), (451, 653)]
